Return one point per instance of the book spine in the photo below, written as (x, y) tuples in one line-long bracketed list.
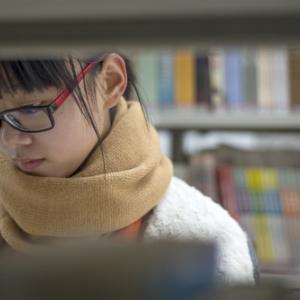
[(280, 80), (264, 79), (166, 79), (148, 76), (294, 75), (203, 95), (227, 187), (185, 78), (263, 238), (234, 93), (249, 69), (217, 79)]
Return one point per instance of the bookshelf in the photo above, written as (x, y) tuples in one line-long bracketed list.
[(88, 27)]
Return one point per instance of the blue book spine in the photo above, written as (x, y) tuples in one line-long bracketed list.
[(166, 86), (277, 202), (234, 95), (272, 201), (269, 203)]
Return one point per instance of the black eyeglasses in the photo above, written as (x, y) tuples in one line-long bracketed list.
[(39, 118)]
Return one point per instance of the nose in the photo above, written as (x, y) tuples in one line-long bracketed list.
[(11, 138)]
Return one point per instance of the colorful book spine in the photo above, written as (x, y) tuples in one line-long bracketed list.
[(280, 79), (185, 78), (264, 79), (294, 75), (227, 193), (242, 197), (202, 174), (166, 79), (217, 79), (263, 238), (234, 94), (280, 245), (203, 93), (292, 226), (255, 189), (147, 67), (249, 71)]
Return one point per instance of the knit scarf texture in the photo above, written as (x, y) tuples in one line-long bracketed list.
[(121, 181)]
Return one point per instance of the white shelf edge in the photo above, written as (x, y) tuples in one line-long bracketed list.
[(198, 119)]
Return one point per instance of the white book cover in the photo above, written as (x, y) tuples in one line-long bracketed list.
[(280, 79), (217, 81), (279, 238), (264, 79)]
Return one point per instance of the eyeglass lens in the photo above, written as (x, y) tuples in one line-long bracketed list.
[(29, 119)]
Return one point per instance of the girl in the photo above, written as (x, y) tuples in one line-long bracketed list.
[(80, 159)]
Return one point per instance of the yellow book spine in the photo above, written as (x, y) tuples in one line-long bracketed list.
[(271, 181), (263, 238), (254, 179), (185, 78)]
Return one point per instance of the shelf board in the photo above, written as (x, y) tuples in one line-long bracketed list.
[(90, 26), (240, 121), (118, 9), (288, 280)]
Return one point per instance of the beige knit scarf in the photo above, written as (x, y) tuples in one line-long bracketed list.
[(116, 187)]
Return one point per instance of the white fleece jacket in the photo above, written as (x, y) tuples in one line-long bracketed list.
[(185, 214)]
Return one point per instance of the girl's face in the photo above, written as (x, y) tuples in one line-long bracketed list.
[(57, 152), (60, 151)]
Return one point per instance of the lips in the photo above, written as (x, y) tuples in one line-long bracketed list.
[(29, 165)]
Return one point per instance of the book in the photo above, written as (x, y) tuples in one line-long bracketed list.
[(294, 75), (264, 79), (234, 93), (261, 190), (263, 238), (280, 245), (166, 79), (202, 174), (185, 78), (292, 226), (249, 78), (227, 190), (203, 93), (217, 78), (280, 90), (147, 68)]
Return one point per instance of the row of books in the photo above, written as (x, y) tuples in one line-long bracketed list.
[(276, 241), (263, 198), (260, 190), (221, 79)]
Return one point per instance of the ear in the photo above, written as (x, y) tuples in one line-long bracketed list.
[(114, 79)]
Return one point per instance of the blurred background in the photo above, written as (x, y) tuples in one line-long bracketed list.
[(221, 82)]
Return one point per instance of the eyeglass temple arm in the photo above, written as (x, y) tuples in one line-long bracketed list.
[(65, 93)]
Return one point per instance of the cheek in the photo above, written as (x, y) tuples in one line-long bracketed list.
[(71, 135)]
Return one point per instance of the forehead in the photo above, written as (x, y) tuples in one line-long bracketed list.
[(21, 98)]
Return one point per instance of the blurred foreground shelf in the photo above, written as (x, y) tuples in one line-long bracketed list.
[(58, 27), (288, 280)]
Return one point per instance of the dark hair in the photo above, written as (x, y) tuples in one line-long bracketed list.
[(30, 75)]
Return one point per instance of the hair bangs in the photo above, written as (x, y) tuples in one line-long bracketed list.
[(31, 75)]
